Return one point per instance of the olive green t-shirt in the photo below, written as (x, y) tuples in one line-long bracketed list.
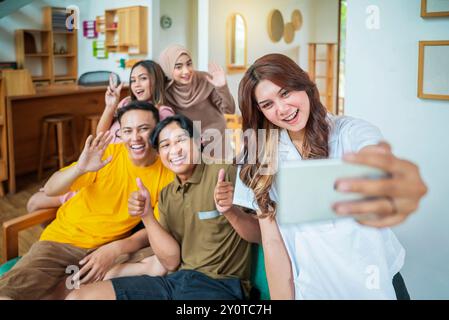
[(209, 244)]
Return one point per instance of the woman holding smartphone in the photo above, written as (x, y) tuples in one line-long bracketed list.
[(350, 258)]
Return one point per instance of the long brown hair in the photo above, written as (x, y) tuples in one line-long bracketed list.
[(285, 73), (157, 81)]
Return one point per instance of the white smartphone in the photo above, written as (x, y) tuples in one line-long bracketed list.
[(114, 80), (306, 189)]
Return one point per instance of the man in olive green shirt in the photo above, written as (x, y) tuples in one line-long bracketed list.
[(201, 235)]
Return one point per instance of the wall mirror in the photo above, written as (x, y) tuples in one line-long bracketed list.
[(433, 70), (236, 46)]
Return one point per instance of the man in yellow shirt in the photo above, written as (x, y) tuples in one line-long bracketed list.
[(94, 226)]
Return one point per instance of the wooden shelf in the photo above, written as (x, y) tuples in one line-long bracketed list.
[(322, 43), (50, 40), (37, 55), (31, 40), (328, 91), (37, 30), (64, 65), (39, 78), (65, 77), (64, 32), (65, 55), (100, 24)]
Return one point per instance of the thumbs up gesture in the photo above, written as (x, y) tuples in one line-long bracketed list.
[(224, 193), (139, 202)]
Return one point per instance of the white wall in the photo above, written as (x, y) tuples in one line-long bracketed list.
[(381, 87), (203, 30), (324, 26), (320, 23), (183, 26)]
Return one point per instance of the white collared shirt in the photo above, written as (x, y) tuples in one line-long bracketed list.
[(339, 258)]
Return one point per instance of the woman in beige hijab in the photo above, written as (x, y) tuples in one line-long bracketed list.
[(198, 95)]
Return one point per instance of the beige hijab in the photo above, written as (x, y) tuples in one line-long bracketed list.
[(180, 95)]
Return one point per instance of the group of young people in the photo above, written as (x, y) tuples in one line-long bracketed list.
[(143, 216)]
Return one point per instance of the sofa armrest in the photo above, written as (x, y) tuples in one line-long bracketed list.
[(12, 227)]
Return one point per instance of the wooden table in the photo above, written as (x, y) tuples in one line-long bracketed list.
[(24, 116)]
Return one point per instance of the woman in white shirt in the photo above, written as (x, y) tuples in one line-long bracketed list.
[(353, 257)]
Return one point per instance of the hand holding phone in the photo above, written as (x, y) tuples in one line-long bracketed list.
[(307, 192)]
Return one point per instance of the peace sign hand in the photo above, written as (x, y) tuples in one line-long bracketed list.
[(112, 95)]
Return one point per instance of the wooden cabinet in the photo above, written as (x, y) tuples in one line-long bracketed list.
[(51, 54), (126, 30), (123, 27), (135, 16), (65, 61), (64, 45), (34, 52)]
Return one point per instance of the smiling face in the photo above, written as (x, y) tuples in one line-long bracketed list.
[(141, 83), (286, 109), (177, 150), (136, 127), (183, 72)]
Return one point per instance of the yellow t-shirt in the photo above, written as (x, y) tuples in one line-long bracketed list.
[(98, 213)]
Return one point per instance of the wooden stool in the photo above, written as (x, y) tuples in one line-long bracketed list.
[(90, 127), (57, 121)]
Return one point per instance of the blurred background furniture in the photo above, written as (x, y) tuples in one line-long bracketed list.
[(126, 30), (11, 229), (90, 127), (51, 53), (322, 70), (24, 115), (12, 80), (96, 78), (234, 122), (57, 122)]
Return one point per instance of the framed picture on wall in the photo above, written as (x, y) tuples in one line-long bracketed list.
[(433, 70), (434, 8)]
